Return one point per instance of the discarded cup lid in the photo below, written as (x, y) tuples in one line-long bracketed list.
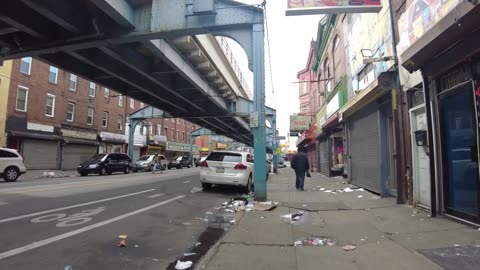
[(183, 265)]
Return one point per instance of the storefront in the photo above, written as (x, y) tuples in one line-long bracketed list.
[(368, 123), (446, 51), (308, 144), (38, 144), (157, 144), (176, 149), (332, 131), (77, 147), (112, 143)]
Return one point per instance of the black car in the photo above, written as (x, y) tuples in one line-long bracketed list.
[(200, 161), (180, 162), (105, 164)]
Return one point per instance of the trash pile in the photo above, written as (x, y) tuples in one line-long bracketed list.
[(246, 203), (310, 242)]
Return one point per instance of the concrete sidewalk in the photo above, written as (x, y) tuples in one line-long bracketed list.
[(385, 235)]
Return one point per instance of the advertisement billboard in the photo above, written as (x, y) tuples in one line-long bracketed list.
[(311, 7), (299, 122), (420, 17)]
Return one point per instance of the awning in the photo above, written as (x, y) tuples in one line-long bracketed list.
[(362, 99), (34, 135), (331, 122), (79, 141), (459, 23)]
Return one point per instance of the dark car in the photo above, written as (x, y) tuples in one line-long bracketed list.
[(200, 161), (180, 162), (105, 164)]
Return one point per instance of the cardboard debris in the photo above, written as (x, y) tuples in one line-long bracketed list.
[(264, 207), (183, 265)]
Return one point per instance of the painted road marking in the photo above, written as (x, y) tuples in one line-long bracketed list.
[(50, 240), (72, 220), (155, 196), (187, 182), (72, 206)]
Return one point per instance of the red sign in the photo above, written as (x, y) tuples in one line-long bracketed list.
[(310, 7)]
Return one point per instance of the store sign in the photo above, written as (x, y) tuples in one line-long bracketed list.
[(299, 122), (222, 146), (310, 7), (158, 138), (79, 134), (333, 105), (420, 17), (113, 136), (180, 147)]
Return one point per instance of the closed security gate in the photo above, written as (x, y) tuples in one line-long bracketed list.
[(365, 152), (38, 154), (324, 157), (74, 154)]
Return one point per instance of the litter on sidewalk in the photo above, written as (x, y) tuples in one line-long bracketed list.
[(196, 189), (310, 242), (349, 247), (183, 265), (295, 217)]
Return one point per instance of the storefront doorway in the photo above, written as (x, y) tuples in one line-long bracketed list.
[(458, 125)]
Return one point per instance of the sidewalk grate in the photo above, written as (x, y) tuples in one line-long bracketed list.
[(455, 258)]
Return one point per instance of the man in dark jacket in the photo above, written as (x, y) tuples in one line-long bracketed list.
[(300, 164)]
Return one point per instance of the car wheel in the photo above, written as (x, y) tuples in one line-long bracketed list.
[(169, 167), (126, 170), (83, 174), (103, 171), (249, 184), (206, 186), (189, 165), (109, 172), (151, 168), (11, 174), (179, 167), (164, 167)]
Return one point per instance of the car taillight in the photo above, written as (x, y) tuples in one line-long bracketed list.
[(205, 164), (240, 166)]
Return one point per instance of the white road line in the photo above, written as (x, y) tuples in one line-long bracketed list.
[(187, 182), (155, 195), (47, 241), (73, 206)]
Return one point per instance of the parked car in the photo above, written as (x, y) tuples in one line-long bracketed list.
[(145, 163), (228, 168), (105, 164), (281, 163), (11, 164), (180, 162), (200, 161)]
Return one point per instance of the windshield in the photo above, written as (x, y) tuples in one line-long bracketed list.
[(179, 159), (144, 158), (98, 157)]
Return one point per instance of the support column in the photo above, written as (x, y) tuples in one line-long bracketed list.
[(131, 132), (191, 150), (259, 136)]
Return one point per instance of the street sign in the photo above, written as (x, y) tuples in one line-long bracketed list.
[(281, 138), (293, 134), (278, 151)]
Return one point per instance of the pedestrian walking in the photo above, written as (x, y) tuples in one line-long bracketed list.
[(155, 163), (300, 164)]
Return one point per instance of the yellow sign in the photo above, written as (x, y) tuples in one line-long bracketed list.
[(279, 151)]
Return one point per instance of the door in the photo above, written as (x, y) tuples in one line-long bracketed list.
[(460, 151), (74, 154), (39, 154), (420, 160)]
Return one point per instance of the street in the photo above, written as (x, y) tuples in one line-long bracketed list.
[(53, 223)]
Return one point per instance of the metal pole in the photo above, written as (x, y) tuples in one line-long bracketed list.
[(191, 150), (259, 139), (131, 131)]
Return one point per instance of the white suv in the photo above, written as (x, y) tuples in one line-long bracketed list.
[(11, 164), (227, 168)]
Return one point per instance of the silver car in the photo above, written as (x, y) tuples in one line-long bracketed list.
[(145, 163)]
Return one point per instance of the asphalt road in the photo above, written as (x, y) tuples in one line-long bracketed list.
[(52, 223)]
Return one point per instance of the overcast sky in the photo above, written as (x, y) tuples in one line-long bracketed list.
[(290, 42)]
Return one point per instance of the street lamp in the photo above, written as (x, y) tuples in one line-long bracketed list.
[(368, 57)]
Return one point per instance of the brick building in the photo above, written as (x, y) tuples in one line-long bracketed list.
[(56, 119)]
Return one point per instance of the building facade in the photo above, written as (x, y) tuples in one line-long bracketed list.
[(440, 39), (56, 119), (5, 74)]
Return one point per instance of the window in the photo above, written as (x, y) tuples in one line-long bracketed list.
[(90, 113), (166, 131), (120, 122), (150, 128), (26, 65), (73, 82), (250, 158), (173, 120), (177, 135), (178, 121), (183, 136), (132, 103), (106, 93), (91, 90), (53, 75), (173, 134), (142, 105), (159, 129), (70, 111), (120, 100), (7, 154), (22, 99), (50, 111), (329, 86), (105, 119)]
